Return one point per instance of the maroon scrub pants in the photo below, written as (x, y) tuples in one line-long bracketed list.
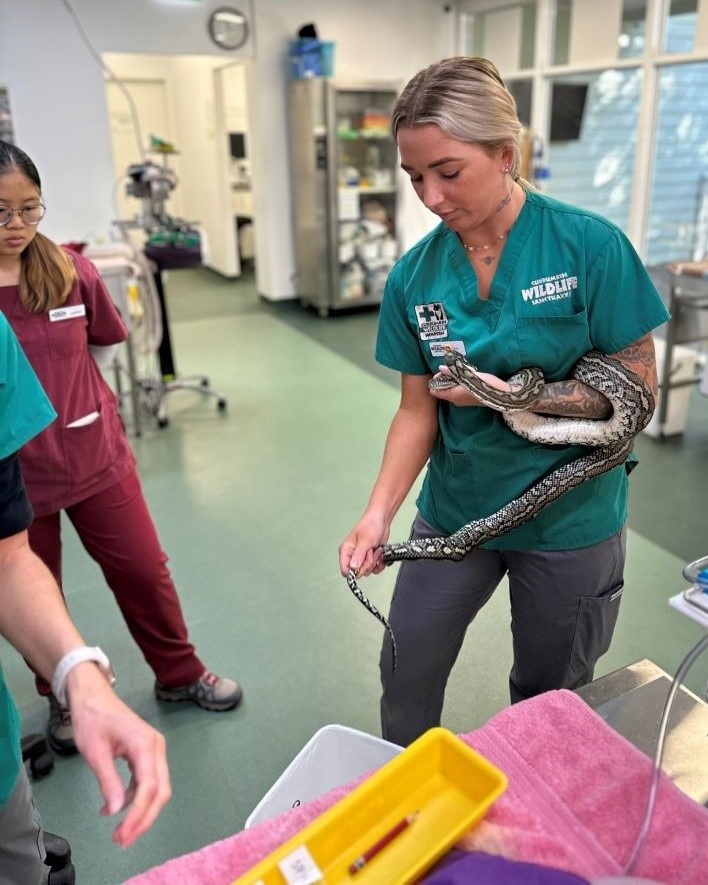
[(117, 531)]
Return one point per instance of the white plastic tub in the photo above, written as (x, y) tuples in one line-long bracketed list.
[(334, 755)]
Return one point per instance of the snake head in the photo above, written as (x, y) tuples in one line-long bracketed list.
[(457, 362)]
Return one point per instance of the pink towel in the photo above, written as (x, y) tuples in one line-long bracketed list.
[(575, 801)]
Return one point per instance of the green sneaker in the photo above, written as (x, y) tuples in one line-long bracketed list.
[(60, 731), (209, 691)]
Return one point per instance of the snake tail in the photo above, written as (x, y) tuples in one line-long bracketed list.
[(370, 607)]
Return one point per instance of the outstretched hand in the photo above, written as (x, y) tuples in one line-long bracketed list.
[(105, 729)]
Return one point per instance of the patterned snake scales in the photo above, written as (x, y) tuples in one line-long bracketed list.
[(611, 442)]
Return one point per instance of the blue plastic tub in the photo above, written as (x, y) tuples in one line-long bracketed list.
[(311, 58)]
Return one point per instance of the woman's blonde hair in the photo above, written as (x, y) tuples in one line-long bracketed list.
[(466, 97), (46, 271)]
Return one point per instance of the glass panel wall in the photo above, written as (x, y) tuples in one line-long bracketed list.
[(592, 141), (632, 35), (586, 151), (680, 33), (561, 35), (506, 35), (598, 30), (676, 228), (522, 90)]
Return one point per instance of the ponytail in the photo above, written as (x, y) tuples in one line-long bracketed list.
[(46, 276)]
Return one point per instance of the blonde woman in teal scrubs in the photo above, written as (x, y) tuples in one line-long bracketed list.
[(510, 278)]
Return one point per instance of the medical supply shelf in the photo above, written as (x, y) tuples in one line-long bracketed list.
[(344, 168)]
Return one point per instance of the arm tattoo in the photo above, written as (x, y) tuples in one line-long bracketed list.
[(640, 358), (572, 399)]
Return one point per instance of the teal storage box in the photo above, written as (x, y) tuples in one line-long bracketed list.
[(311, 58)]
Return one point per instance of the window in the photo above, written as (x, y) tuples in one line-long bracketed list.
[(506, 36), (594, 121), (585, 145), (678, 191), (598, 30), (681, 26), (632, 36)]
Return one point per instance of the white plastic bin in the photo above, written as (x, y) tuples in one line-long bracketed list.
[(333, 756), (683, 367)]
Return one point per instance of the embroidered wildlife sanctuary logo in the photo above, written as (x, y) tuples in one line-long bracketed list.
[(432, 320), (554, 288)]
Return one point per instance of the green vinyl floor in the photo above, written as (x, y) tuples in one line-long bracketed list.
[(251, 506)]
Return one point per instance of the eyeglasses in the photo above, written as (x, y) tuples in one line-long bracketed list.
[(29, 214)]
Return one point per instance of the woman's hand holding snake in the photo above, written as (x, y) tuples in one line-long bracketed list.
[(360, 551), (443, 386)]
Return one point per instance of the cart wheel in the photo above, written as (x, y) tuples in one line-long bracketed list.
[(221, 404)]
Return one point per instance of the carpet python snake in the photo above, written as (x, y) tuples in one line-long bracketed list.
[(610, 440)]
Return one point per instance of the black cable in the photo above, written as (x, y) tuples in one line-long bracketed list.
[(115, 79)]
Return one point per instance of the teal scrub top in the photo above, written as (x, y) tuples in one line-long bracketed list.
[(24, 412), (568, 281)]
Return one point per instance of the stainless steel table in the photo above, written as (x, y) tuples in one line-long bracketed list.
[(631, 701)]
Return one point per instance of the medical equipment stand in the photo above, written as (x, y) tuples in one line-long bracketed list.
[(169, 379), (167, 248)]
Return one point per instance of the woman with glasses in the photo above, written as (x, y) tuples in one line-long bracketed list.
[(82, 463)]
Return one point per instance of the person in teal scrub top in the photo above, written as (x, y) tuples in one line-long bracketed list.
[(510, 278), (106, 729)]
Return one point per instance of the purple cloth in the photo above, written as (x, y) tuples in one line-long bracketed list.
[(463, 867)]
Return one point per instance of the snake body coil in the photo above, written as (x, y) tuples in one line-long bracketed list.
[(611, 441)]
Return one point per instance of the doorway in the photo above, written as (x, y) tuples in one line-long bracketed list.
[(193, 103)]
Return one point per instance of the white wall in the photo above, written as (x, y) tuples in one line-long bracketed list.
[(60, 112)]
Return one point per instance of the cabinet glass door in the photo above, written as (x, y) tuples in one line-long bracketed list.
[(366, 158)]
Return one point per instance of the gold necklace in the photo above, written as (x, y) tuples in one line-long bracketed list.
[(477, 247)]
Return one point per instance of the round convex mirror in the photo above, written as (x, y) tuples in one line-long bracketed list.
[(228, 28)]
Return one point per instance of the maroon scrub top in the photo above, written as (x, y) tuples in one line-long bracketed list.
[(65, 465)]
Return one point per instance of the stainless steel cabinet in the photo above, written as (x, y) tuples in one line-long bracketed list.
[(343, 163)]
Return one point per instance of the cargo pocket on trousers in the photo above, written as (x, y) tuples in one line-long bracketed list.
[(597, 617)]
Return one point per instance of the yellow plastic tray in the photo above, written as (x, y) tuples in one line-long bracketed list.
[(447, 783)]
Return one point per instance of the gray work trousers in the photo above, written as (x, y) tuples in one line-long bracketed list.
[(564, 606), (21, 839)]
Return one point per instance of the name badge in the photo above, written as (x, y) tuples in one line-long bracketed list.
[(438, 348), (67, 313)]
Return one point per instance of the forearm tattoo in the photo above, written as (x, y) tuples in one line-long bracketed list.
[(572, 399)]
